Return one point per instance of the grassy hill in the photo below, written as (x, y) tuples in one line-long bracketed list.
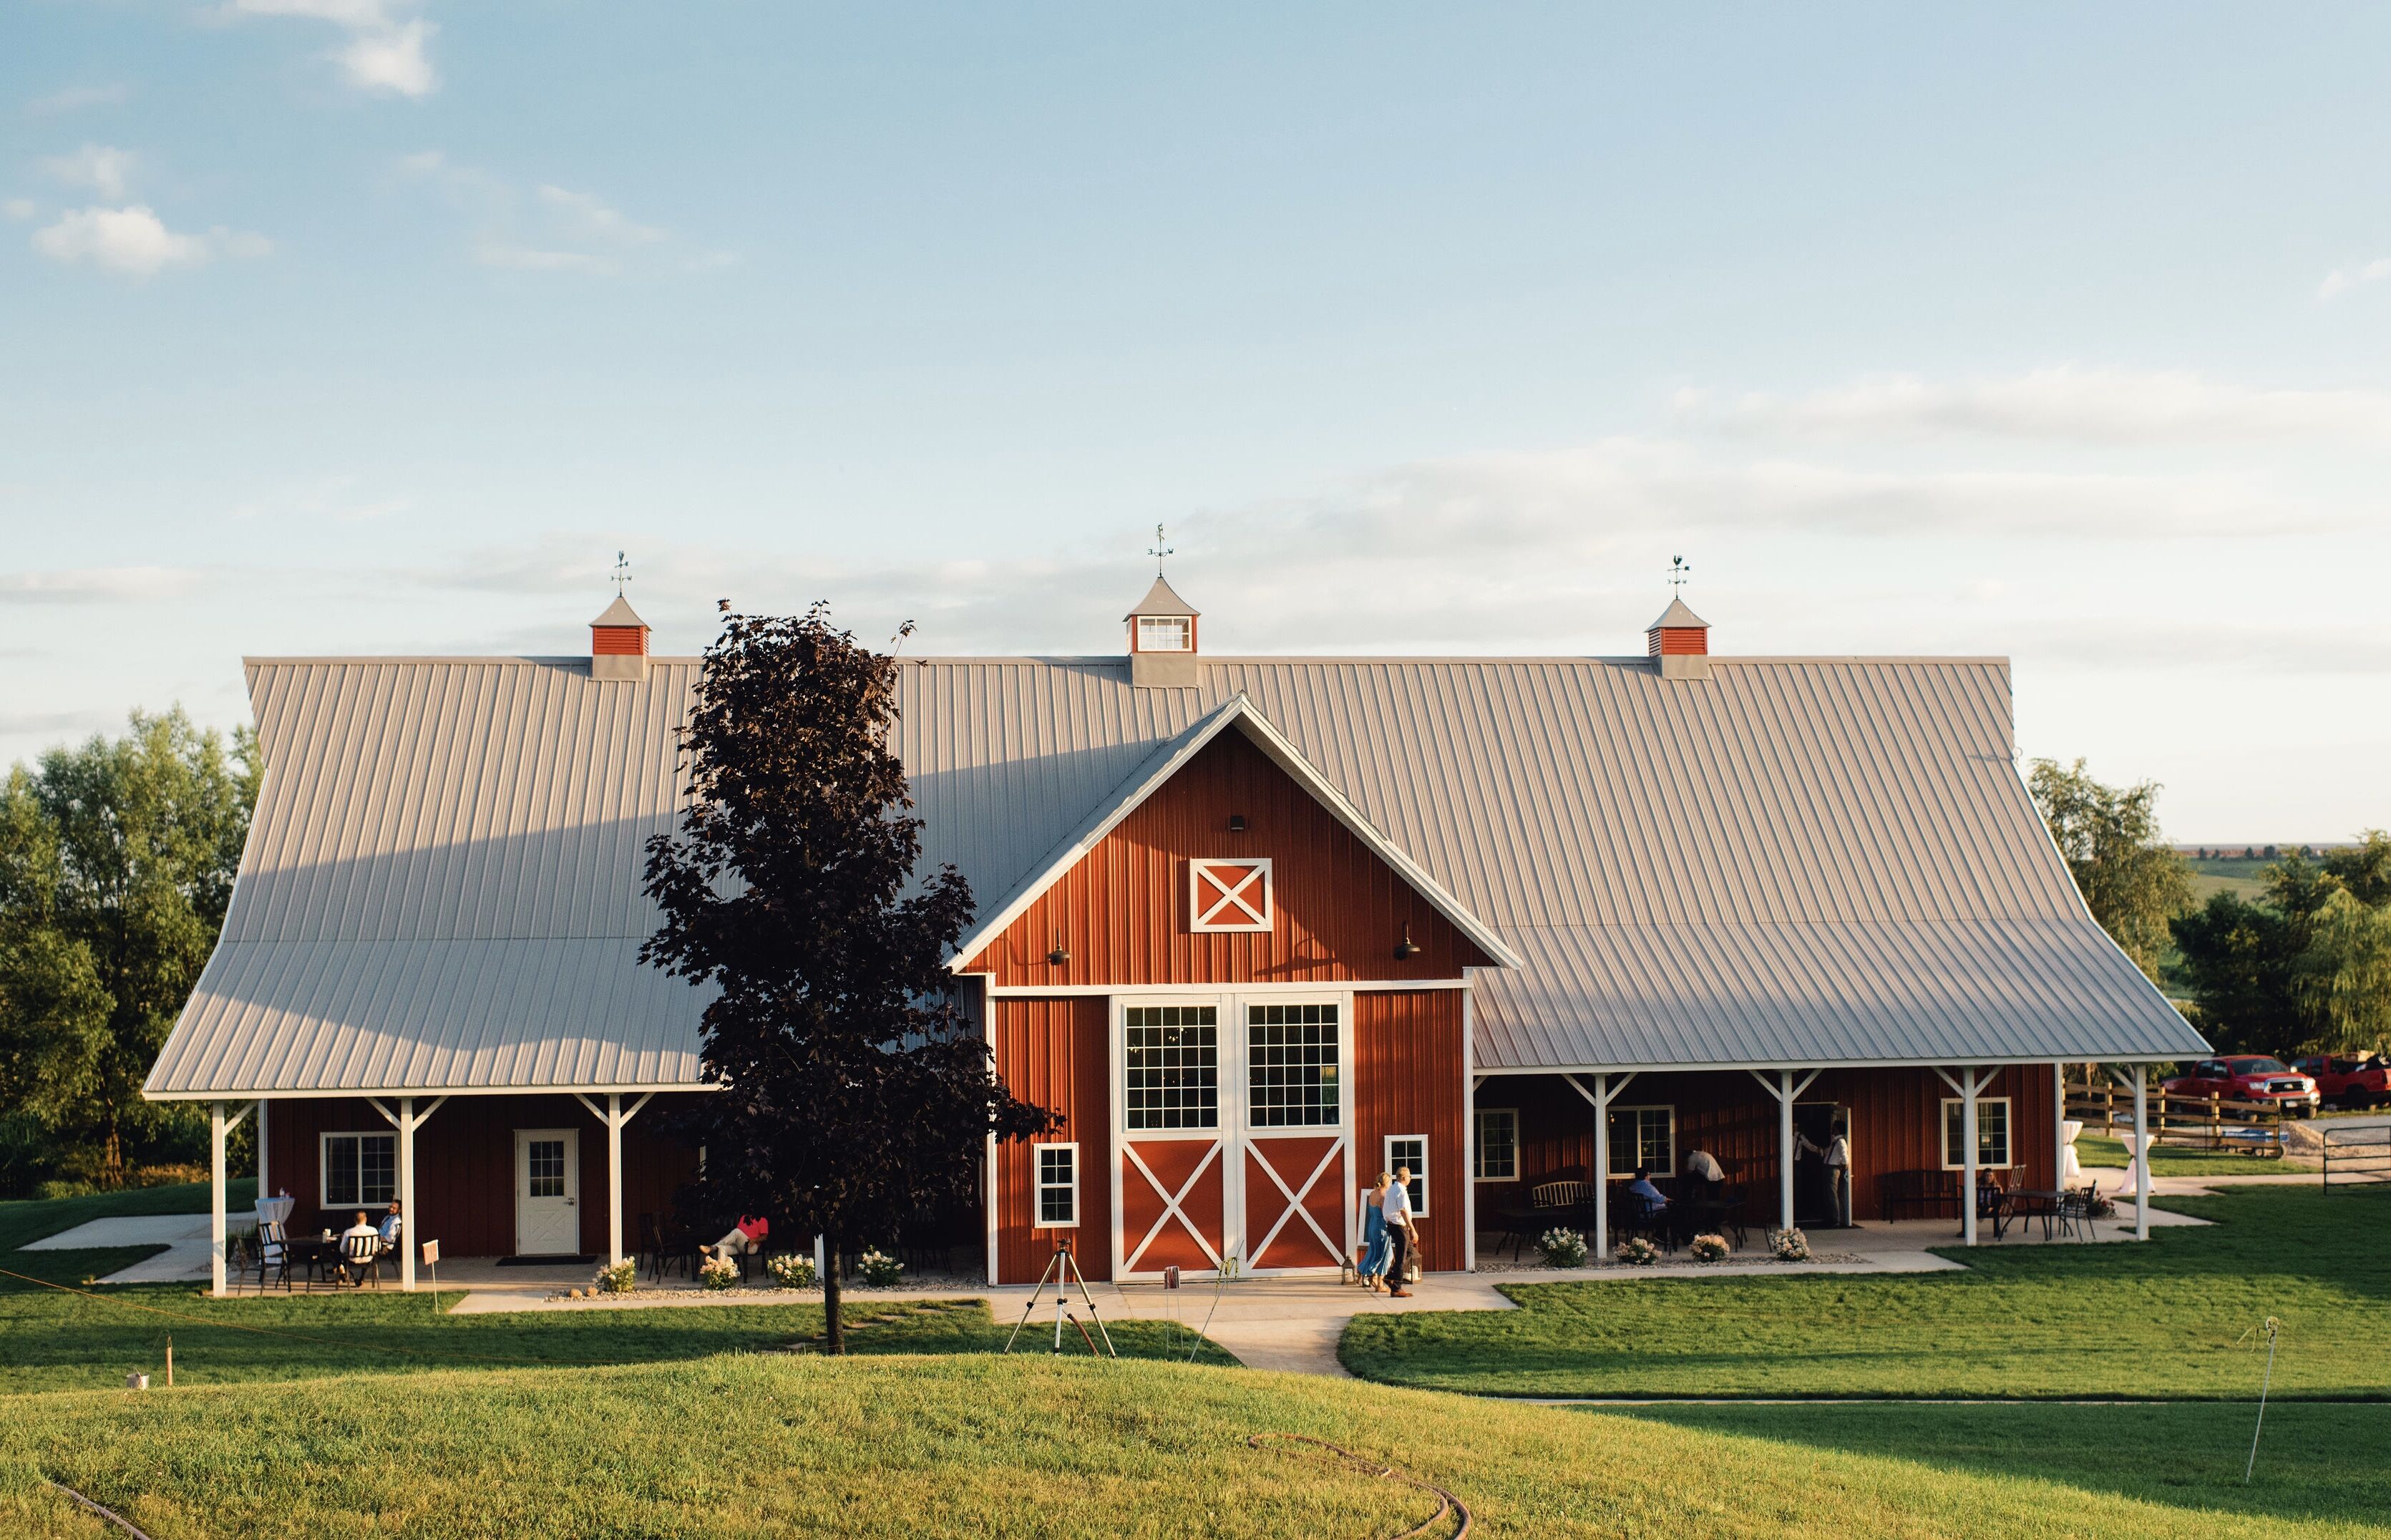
[(748, 1444)]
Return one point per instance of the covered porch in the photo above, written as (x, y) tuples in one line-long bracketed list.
[(1918, 1136)]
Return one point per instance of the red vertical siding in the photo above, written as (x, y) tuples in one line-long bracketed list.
[(1407, 1079), (1121, 912), (464, 1166), (1052, 1054)]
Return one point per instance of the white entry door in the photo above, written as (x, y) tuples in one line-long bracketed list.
[(547, 1218)]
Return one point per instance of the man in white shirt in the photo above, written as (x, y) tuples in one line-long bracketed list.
[(350, 1267), (1397, 1207), (1837, 1153), (1703, 1164)]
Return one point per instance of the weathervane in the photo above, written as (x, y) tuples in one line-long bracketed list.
[(1158, 551), (1678, 573), (622, 573)]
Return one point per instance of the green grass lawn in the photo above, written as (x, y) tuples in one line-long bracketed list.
[(50, 1340), (2166, 1160), (2161, 1319), (38, 1218), (740, 1445)]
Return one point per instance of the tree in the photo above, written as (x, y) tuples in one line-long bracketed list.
[(117, 863), (2364, 869), (851, 1093), (2343, 976), (2237, 960), (2132, 881)]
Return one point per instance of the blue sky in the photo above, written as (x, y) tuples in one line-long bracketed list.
[(338, 326)]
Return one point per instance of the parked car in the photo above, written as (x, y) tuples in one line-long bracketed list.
[(2249, 1077), (2356, 1084)]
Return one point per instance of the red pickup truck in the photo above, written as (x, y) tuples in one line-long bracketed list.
[(2249, 1077), (2352, 1085)]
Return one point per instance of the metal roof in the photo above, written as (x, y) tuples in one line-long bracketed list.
[(1796, 860), (1678, 615), (619, 614), (1161, 599)]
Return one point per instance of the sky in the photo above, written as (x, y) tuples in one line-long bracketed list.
[(2057, 333)]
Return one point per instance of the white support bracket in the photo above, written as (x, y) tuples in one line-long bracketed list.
[(407, 1120), (614, 1116), (1970, 1084), (1606, 1087)]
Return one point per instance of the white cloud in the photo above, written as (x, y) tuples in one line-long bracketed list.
[(385, 51), (20, 208), (2064, 404), (594, 219), (104, 170), (95, 585), (75, 97), (135, 240), (2343, 279)]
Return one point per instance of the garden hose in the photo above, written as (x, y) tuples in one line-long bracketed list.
[(1448, 1506)]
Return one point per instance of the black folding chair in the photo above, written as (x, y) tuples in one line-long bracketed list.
[(360, 1258), (269, 1253)]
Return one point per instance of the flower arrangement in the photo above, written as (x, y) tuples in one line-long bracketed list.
[(718, 1274), (1709, 1248), (1562, 1247), (791, 1270), (619, 1278), (1636, 1251), (1788, 1246), (879, 1269)]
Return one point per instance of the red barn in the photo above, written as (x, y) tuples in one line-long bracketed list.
[(1256, 927)]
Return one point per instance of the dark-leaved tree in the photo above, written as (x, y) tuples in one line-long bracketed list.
[(851, 1093)]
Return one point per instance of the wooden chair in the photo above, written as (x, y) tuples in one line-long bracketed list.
[(1557, 1194)]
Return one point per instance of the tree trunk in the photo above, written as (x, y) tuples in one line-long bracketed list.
[(834, 1331)]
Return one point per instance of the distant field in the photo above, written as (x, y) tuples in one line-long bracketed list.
[(2241, 878)]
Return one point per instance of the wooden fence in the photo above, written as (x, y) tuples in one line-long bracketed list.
[(2211, 1123)]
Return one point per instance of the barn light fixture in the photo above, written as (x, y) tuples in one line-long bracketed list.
[(1236, 823), (1060, 955), (1405, 950)]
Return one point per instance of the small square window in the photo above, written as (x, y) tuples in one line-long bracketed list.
[(1992, 1133), (358, 1171), (1165, 633), (1497, 1156), (1644, 1138)]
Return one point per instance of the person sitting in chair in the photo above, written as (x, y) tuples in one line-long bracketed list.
[(391, 1227), (744, 1237), (362, 1231), (1655, 1201)]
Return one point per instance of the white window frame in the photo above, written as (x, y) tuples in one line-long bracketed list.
[(324, 1168), (1954, 1119), (1670, 1167), (1227, 1091), (1419, 1168), (1182, 625), (1204, 907), (1478, 1142), (1040, 1186)]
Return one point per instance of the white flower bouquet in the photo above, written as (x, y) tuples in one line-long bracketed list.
[(1636, 1251), (1562, 1247), (792, 1272), (718, 1274), (1709, 1248), (1788, 1246), (879, 1269), (619, 1278)]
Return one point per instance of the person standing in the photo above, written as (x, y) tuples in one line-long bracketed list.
[(1838, 1172), (1374, 1233), (1402, 1240)]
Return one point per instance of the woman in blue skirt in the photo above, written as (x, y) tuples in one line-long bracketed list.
[(1375, 1245)]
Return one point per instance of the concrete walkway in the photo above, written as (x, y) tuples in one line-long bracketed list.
[(184, 1236)]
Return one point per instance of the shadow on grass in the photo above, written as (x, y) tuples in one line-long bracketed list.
[(2316, 1462)]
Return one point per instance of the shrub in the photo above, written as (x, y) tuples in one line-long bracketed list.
[(880, 1270), (1562, 1247), (1636, 1251), (620, 1278), (718, 1273), (1709, 1248), (1788, 1246), (792, 1272)]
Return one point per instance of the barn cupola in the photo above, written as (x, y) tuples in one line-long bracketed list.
[(618, 643), (1679, 643), (1162, 634)]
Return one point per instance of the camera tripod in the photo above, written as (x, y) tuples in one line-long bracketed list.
[(1063, 1272)]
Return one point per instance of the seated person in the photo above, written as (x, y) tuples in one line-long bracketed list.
[(1654, 1200), (363, 1227), (746, 1235), (391, 1227)]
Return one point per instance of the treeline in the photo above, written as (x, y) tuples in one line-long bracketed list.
[(2305, 969), (117, 861)]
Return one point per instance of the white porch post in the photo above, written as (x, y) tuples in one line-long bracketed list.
[(262, 1190), (1968, 1141), (2141, 1153), (407, 1229), (1785, 1147), (216, 1226), (2058, 1126), (614, 1178), (1601, 1167)]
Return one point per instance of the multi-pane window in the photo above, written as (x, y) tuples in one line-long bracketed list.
[(1496, 1157), (1291, 1067), (1411, 1149), (1170, 1056), (545, 1159), (1165, 633), (1644, 1138), (359, 1169), (1058, 1184), (1992, 1132)]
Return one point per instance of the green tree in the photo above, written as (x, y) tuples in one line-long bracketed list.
[(2364, 869), (2343, 976), (117, 863), (2132, 881)]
